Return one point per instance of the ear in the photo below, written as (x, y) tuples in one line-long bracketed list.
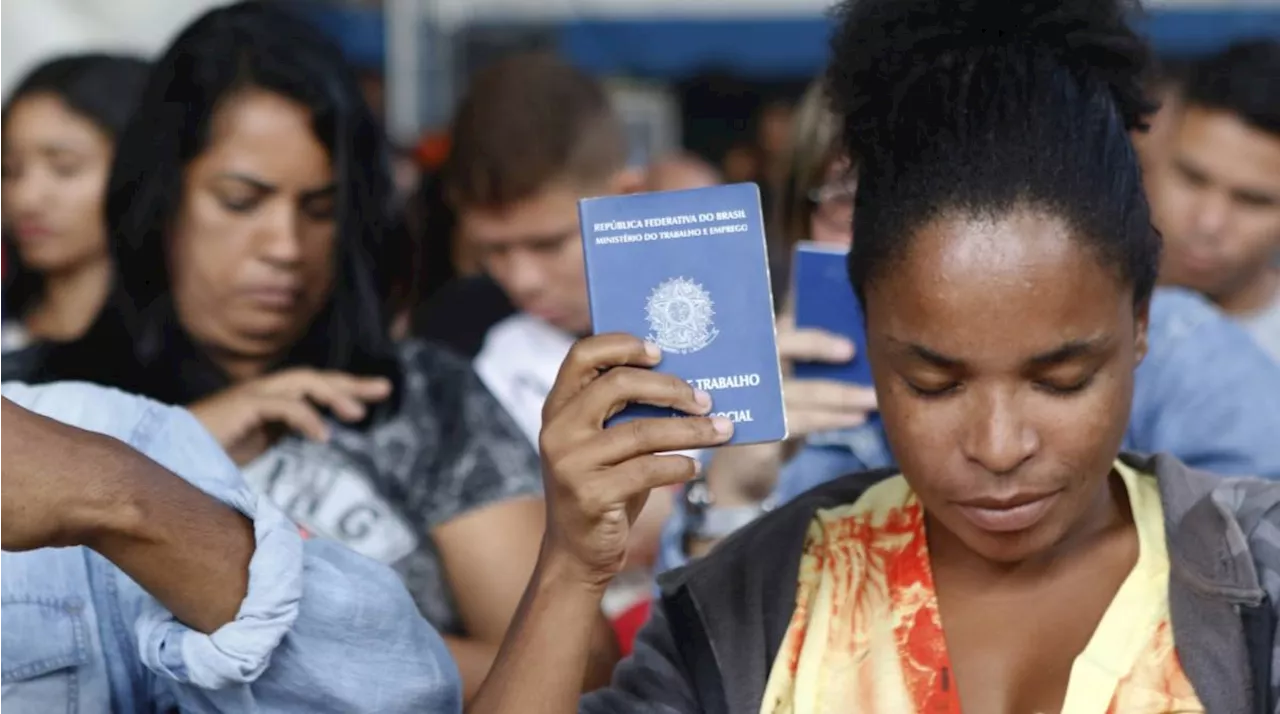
[(1141, 320), (628, 180)]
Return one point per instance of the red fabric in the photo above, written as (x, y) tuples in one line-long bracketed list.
[(432, 150), (628, 624)]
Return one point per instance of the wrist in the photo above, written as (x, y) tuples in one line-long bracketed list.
[(113, 507), (560, 572)]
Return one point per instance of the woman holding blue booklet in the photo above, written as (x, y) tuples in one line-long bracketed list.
[(1015, 560), (1203, 393)]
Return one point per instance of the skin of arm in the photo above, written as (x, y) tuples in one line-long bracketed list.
[(188, 550)]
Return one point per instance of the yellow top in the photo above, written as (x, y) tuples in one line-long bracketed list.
[(866, 636)]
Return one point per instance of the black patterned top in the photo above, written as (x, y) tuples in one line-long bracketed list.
[(449, 449)]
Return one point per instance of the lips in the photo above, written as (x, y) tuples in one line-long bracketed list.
[(1018, 512), (274, 297), (28, 230), (1194, 259), (1197, 262)]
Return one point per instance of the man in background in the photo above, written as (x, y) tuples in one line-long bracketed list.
[(1216, 197), (532, 136)]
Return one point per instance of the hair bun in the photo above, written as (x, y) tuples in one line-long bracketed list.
[(885, 50)]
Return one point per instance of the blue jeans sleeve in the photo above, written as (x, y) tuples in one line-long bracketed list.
[(321, 629), (358, 645)]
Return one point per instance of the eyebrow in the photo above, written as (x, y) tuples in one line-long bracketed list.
[(1072, 349), (553, 236), (536, 239), (1246, 193), (245, 178), (267, 187), (1067, 351), (61, 147)]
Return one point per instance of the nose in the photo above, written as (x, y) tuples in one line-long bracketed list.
[(525, 276), (279, 238), (998, 437), (1212, 211)]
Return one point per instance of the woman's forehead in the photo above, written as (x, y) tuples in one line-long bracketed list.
[(964, 280)]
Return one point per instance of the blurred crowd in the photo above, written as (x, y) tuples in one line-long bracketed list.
[(363, 341)]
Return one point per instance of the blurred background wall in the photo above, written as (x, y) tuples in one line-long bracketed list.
[(708, 75)]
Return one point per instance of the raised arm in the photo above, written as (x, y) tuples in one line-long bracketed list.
[(485, 513), (597, 480)]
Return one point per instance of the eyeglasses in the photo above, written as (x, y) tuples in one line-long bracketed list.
[(834, 192), (833, 204)]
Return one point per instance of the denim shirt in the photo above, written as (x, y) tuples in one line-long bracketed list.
[(321, 629), (1206, 393)]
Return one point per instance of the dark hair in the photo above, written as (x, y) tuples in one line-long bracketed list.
[(1168, 72), (1243, 79), (137, 342), (527, 120), (980, 106), (101, 88)]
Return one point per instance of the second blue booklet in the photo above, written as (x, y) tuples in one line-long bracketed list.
[(688, 271)]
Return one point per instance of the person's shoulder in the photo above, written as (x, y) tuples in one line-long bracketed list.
[(438, 380), (526, 332), (461, 313), (432, 359), (23, 364), (166, 434), (1183, 488), (1193, 345), (1177, 313), (522, 344)]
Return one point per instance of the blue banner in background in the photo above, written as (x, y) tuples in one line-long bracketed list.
[(763, 48), (780, 48)]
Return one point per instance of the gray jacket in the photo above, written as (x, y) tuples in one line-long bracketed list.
[(719, 622)]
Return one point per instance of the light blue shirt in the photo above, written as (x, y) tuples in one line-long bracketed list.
[(321, 629), (1206, 393)]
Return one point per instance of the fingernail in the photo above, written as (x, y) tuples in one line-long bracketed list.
[(702, 398), (654, 351), (697, 467), (722, 425)]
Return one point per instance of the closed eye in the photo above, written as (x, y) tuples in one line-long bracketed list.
[(1065, 389), (932, 392)]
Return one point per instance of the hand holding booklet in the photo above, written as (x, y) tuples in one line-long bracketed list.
[(687, 271), (824, 299)]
